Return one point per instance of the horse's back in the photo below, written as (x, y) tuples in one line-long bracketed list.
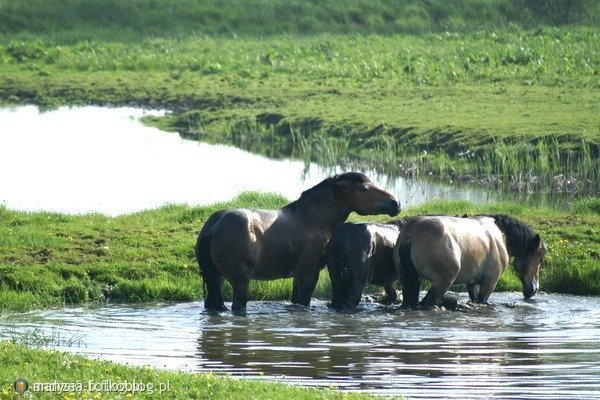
[(235, 234), (240, 221), (442, 245)]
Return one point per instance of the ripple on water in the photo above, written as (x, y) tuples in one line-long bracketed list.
[(545, 348)]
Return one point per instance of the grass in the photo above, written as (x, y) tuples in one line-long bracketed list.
[(117, 20), (44, 365), (49, 260), (498, 99)]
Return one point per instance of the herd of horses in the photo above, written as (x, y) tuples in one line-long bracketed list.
[(301, 238)]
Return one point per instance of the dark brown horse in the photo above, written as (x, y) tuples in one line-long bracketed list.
[(359, 254), (239, 245), (473, 251)]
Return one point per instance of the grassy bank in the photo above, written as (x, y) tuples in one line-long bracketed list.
[(509, 98), (43, 365), (51, 259)]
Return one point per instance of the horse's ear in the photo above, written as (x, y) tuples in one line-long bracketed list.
[(535, 242)]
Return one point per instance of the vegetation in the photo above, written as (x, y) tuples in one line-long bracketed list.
[(118, 20), (51, 259), (44, 365), (496, 92)]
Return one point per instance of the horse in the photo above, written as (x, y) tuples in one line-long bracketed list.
[(243, 244), (473, 251), (361, 253)]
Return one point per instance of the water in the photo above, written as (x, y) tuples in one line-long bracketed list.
[(93, 159), (545, 348)]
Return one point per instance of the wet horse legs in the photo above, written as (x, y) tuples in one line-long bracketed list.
[(411, 286), (214, 299), (240, 283), (303, 287), (436, 293), (473, 290), (390, 294)]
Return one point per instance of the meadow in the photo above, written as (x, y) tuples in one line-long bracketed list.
[(508, 99)]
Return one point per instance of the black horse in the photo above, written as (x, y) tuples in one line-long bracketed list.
[(359, 254)]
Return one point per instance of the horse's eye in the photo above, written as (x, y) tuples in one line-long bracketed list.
[(362, 188)]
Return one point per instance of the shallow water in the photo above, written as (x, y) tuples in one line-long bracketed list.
[(545, 348), (95, 159)]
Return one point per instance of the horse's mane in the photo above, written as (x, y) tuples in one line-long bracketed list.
[(327, 184), (517, 233)]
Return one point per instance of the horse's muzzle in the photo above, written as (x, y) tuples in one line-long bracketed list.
[(530, 288), (392, 208)]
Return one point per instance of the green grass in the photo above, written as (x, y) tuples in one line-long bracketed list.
[(488, 106), (498, 92), (44, 365), (118, 20), (49, 260)]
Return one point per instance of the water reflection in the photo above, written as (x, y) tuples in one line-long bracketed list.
[(546, 348), (93, 159)]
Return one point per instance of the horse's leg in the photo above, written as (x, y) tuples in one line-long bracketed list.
[(357, 285), (304, 285), (473, 290), (486, 288), (436, 293), (391, 296), (336, 287), (239, 284), (411, 287), (214, 298)]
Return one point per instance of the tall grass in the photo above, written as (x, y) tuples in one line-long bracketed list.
[(542, 165)]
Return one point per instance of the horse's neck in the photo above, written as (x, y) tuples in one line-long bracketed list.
[(327, 215)]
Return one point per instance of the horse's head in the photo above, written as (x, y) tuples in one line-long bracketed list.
[(361, 195), (528, 265)]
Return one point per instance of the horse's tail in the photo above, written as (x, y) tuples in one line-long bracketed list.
[(404, 257), (202, 250), (411, 280), (210, 275)]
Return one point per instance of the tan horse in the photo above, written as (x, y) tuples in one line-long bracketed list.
[(240, 245), (473, 251)]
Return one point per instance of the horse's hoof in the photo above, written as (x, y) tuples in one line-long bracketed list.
[(216, 310), (239, 312), (463, 307), (450, 302)]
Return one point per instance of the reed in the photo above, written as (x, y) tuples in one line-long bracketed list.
[(542, 165)]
